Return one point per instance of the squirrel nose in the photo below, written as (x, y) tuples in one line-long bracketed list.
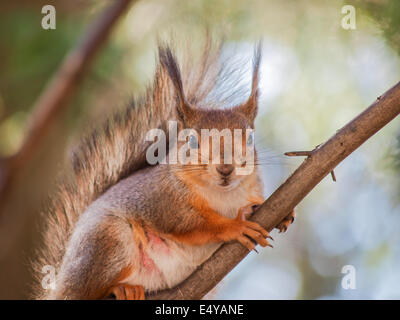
[(225, 169)]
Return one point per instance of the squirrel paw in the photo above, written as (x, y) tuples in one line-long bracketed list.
[(249, 210), (286, 222), (128, 292), (248, 233)]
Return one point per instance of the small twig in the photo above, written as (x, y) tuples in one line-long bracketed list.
[(333, 175), (298, 153), (307, 154), (302, 153)]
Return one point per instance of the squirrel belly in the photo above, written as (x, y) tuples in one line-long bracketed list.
[(163, 263)]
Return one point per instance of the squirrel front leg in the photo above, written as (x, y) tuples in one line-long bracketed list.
[(216, 228)]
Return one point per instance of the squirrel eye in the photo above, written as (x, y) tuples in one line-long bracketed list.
[(250, 139), (193, 143)]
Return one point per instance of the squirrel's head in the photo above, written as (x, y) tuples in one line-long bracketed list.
[(222, 139)]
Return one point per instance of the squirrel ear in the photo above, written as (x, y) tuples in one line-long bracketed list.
[(250, 107), (168, 63)]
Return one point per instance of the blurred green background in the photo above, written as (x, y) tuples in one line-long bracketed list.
[(316, 76)]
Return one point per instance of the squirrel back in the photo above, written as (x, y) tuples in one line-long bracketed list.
[(116, 150)]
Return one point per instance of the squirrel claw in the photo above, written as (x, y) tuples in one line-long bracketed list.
[(248, 233), (286, 222)]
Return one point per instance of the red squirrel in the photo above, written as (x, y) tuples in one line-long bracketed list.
[(123, 227)]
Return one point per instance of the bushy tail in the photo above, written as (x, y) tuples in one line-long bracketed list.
[(115, 150)]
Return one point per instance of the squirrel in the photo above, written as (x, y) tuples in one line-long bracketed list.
[(123, 227)]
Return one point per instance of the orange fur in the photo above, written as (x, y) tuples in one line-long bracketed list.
[(128, 292), (139, 234)]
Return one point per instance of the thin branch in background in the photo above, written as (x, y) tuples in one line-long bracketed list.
[(314, 168), (58, 92)]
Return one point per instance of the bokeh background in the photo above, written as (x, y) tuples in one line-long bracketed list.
[(316, 76)]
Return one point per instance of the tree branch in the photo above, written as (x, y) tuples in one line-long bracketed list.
[(318, 164), (58, 92)]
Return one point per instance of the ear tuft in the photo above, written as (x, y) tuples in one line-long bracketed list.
[(250, 107), (168, 63), (256, 71)]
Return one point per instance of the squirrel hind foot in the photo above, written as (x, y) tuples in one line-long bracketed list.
[(127, 292), (286, 222)]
